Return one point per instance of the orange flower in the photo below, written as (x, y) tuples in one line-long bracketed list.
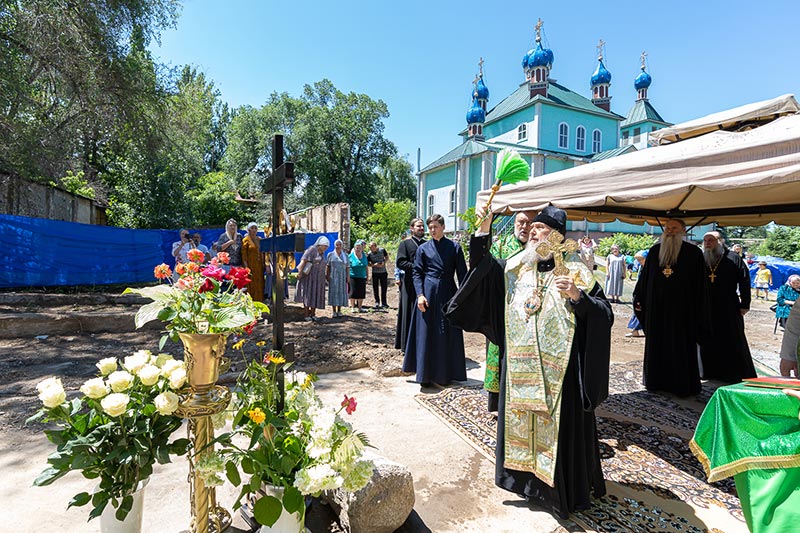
[(195, 255), (180, 269), (192, 267), (224, 258), (162, 271)]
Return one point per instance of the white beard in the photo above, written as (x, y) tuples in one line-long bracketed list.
[(670, 249), (712, 255), (530, 255)]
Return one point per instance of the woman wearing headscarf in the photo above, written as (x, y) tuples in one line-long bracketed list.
[(338, 276), (358, 276), (253, 258), (311, 279), (230, 242)]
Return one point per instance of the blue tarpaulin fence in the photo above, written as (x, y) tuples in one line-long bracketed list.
[(781, 270), (42, 252)]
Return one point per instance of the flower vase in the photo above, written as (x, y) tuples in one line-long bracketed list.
[(287, 522), (202, 355), (133, 520)]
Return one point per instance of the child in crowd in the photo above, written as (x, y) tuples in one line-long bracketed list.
[(763, 280)]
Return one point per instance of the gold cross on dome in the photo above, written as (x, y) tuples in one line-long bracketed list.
[(480, 67), (600, 46), (475, 81), (644, 55), (538, 28), (556, 245)]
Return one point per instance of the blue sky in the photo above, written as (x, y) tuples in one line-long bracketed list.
[(420, 57)]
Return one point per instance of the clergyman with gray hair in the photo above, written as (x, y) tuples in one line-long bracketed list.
[(725, 355), (670, 300)]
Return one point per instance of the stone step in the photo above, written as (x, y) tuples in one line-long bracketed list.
[(20, 325), (38, 299)]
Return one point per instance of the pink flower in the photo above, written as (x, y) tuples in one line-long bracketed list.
[(213, 271), (195, 255), (349, 405), (162, 271), (224, 258), (185, 284)]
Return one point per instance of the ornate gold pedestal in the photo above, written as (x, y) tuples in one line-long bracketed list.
[(203, 354)]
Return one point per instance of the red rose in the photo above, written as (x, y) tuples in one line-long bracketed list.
[(249, 327), (207, 285), (239, 276), (213, 271)]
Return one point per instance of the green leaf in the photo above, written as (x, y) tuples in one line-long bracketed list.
[(161, 292), (48, 476), (124, 508), (233, 473), (511, 168), (179, 446), (148, 312), (80, 499), (267, 510), (162, 341), (293, 500), (255, 482), (247, 466)]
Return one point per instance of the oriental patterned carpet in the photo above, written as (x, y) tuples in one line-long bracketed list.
[(654, 482)]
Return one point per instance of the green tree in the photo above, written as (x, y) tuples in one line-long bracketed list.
[(781, 241), (213, 201), (389, 219), (397, 180), (629, 243)]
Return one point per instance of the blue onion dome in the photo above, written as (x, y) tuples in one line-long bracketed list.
[(643, 80), (481, 90), (540, 57), (525, 58), (601, 74), (476, 112)]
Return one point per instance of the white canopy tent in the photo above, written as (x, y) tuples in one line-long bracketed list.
[(730, 177)]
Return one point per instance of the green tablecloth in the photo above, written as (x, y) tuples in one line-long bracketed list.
[(753, 434)]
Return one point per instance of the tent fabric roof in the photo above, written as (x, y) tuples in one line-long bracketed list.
[(734, 178), (730, 119), (642, 111)]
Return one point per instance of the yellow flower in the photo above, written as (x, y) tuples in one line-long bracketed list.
[(261, 343), (277, 359), (309, 380), (256, 415), (238, 345)]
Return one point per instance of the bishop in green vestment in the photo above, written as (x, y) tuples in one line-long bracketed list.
[(553, 329), (505, 247)]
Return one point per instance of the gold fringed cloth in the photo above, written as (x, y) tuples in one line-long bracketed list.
[(753, 434)]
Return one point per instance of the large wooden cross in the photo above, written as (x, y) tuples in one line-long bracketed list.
[(282, 175)]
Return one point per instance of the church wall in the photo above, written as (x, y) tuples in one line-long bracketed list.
[(505, 129), (475, 181), (552, 164), (552, 116), (439, 183), (440, 177)]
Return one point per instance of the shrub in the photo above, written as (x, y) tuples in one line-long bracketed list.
[(629, 243)]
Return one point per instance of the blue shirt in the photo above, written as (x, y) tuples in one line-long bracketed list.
[(358, 267)]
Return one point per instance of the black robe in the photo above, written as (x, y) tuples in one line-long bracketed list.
[(725, 354), (479, 305), (435, 349), (673, 311), (408, 297)]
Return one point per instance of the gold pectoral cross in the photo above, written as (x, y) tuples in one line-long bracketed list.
[(712, 277), (556, 245), (667, 271)]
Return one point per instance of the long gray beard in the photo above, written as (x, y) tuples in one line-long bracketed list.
[(531, 255), (670, 249), (712, 255)]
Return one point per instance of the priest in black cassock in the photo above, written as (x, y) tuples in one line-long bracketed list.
[(725, 355), (552, 323), (671, 302), (408, 296), (435, 349)]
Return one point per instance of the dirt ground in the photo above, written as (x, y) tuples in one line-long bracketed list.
[(330, 345)]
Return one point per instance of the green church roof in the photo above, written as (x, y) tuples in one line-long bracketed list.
[(556, 94), (643, 111), (467, 149), (614, 152)]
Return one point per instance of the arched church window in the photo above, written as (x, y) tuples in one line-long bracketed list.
[(452, 201), (431, 204), (580, 139), (597, 141), (563, 135)]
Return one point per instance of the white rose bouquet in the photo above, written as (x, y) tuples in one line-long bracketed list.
[(117, 429)]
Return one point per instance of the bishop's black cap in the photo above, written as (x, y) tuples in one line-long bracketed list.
[(554, 217)]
